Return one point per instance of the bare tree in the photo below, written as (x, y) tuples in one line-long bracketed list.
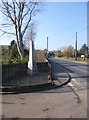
[(68, 51), (30, 34), (20, 14)]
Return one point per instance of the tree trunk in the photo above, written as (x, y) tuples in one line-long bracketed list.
[(18, 47), (19, 43), (22, 49)]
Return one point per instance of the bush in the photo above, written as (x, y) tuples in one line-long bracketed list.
[(15, 60), (87, 55)]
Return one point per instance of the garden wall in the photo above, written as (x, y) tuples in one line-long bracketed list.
[(15, 70)]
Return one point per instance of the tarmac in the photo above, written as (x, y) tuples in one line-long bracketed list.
[(35, 104), (45, 105)]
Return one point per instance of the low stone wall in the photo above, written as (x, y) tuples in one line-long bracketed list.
[(15, 70), (12, 71), (42, 66)]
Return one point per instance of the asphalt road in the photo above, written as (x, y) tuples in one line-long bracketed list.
[(77, 71), (69, 101)]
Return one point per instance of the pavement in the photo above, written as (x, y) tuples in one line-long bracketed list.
[(45, 105), (52, 101)]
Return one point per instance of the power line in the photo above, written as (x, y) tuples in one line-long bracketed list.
[(74, 25), (74, 35), (84, 29)]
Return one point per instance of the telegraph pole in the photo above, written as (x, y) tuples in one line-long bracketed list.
[(76, 47), (47, 43)]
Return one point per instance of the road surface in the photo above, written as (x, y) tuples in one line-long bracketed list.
[(77, 71), (69, 101)]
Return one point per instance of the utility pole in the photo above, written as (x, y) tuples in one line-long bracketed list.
[(47, 43), (76, 47)]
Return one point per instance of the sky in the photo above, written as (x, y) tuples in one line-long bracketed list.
[(59, 21)]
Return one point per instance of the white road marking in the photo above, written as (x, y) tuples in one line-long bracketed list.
[(84, 87), (75, 88), (81, 94), (70, 84), (75, 81)]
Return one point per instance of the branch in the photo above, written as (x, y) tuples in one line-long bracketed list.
[(16, 3), (8, 12), (2, 35), (20, 13), (26, 13), (4, 32), (6, 25), (4, 13), (28, 20), (27, 4), (14, 12)]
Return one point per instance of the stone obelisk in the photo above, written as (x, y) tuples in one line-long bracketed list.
[(32, 67)]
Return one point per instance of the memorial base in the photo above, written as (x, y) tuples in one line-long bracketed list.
[(32, 70)]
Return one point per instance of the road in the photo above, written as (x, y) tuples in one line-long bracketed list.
[(77, 71), (69, 101)]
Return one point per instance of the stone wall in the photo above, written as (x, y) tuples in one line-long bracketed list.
[(12, 71), (42, 66), (15, 70)]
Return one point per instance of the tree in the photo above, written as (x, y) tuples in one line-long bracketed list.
[(68, 51), (40, 55), (30, 34), (20, 16), (59, 53), (83, 49), (9, 52), (13, 49)]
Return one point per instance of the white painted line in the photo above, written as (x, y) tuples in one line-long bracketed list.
[(70, 84), (75, 88), (84, 87), (81, 94), (75, 81)]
